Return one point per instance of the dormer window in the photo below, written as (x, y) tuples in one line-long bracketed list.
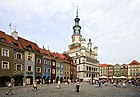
[(15, 44), (2, 39), (37, 50), (29, 47)]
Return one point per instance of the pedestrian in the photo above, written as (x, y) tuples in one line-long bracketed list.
[(49, 81), (77, 86), (58, 84), (99, 83), (35, 85), (124, 85), (9, 88)]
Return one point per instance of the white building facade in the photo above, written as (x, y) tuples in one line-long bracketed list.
[(83, 55)]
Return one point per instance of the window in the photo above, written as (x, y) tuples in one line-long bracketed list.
[(87, 68), (53, 71), (67, 73), (45, 70), (5, 52), (73, 38), (61, 66), (75, 61), (71, 72), (61, 72), (53, 63), (49, 70), (38, 60), (5, 65), (45, 61), (18, 56), (18, 67), (79, 68), (49, 62), (29, 68), (87, 74), (65, 67), (38, 69), (29, 57)]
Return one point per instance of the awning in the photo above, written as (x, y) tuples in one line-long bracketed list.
[(103, 77)]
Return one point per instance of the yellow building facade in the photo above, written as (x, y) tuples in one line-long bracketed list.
[(66, 71), (134, 69)]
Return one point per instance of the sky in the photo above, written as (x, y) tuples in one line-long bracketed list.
[(112, 25)]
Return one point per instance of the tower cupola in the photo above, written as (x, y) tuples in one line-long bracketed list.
[(76, 37)]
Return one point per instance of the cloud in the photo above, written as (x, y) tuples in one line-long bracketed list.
[(113, 25)]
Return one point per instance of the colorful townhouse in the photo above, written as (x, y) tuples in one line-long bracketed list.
[(73, 68), (59, 66), (103, 70), (18, 59), (53, 67), (46, 65), (124, 70), (6, 59), (38, 66), (29, 66), (110, 71), (117, 70), (67, 65), (134, 69)]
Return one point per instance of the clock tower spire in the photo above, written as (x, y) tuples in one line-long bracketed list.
[(76, 37)]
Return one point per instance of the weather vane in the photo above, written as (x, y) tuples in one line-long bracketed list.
[(11, 26)]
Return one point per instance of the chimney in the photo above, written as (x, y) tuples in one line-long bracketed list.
[(15, 35)]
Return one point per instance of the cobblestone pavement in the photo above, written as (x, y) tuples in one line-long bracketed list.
[(86, 90)]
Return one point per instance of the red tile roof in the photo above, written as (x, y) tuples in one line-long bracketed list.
[(5, 37), (26, 44), (134, 62), (109, 65), (102, 65), (15, 43)]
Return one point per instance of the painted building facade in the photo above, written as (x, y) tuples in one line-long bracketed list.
[(110, 71), (18, 60), (124, 70), (134, 69), (6, 59), (103, 70), (117, 70)]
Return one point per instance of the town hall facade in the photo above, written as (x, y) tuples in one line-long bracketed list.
[(85, 57)]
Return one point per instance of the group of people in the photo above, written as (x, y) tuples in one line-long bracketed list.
[(119, 83)]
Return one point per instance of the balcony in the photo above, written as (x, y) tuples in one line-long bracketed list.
[(29, 73)]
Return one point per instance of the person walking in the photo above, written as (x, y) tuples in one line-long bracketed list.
[(124, 85), (35, 85), (9, 88), (58, 84), (77, 86)]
